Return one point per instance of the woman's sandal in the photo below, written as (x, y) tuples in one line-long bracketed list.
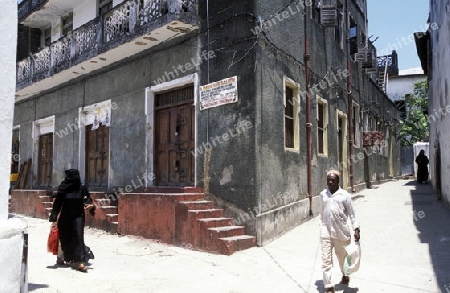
[(80, 267), (59, 261)]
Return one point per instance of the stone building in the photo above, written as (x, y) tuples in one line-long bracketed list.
[(242, 105), (434, 56)]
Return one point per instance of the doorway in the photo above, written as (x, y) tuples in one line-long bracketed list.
[(342, 148), (175, 137), (45, 160), (97, 157)]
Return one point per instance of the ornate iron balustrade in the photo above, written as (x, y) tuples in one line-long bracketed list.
[(26, 7), (151, 11), (118, 21), (87, 38), (392, 63), (99, 35)]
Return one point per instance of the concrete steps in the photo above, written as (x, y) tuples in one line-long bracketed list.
[(201, 226)]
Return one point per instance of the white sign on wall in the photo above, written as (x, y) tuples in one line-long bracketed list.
[(218, 93)]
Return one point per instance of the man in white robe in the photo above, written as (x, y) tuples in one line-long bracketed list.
[(336, 209)]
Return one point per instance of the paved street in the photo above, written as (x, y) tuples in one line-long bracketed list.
[(405, 242)]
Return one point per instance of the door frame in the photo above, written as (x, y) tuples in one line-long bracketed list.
[(41, 127), (86, 116), (150, 93), (344, 172)]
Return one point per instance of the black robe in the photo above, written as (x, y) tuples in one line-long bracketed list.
[(69, 204), (422, 168)]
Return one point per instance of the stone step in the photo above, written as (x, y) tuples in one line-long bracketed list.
[(208, 213), (112, 218), (106, 202), (215, 222), (199, 228), (110, 209), (226, 231), (47, 204), (209, 237), (198, 204), (229, 245), (46, 198), (187, 227)]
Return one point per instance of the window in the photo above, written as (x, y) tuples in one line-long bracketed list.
[(291, 110), (15, 151), (322, 126), (104, 6), (356, 125), (47, 37), (384, 144), (338, 28), (353, 36), (315, 9), (67, 24)]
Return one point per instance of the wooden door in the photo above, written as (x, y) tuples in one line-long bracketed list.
[(45, 160), (97, 156), (174, 138)]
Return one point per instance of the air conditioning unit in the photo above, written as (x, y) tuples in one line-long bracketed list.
[(361, 55), (329, 16), (371, 60)]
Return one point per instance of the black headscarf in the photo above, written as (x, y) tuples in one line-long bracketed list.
[(72, 181)]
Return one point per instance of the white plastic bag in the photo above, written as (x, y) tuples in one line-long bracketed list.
[(353, 258)]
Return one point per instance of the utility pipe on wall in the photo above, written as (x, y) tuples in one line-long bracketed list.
[(350, 127), (308, 113), (308, 123)]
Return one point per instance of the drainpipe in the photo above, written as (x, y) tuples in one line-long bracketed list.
[(308, 120), (350, 127)]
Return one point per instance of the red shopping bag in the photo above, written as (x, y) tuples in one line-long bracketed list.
[(53, 238)]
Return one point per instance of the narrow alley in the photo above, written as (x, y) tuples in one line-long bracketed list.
[(405, 242)]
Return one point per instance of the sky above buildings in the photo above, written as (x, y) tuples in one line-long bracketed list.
[(394, 22)]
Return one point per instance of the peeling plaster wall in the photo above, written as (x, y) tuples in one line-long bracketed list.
[(230, 171), (439, 91)]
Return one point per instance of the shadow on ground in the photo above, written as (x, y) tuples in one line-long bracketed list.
[(32, 287), (432, 220), (337, 287)]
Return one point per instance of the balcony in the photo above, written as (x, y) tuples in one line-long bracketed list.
[(124, 31), (388, 63)]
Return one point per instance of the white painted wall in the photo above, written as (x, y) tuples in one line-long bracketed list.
[(84, 13), (401, 85), (439, 91), (8, 33), (13, 276)]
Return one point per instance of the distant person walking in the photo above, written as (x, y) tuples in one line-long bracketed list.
[(72, 199), (336, 208), (422, 167)]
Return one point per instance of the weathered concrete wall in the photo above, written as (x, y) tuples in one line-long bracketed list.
[(150, 215), (231, 173), (124, 84), (439, 101), (30, 203), (7, 76), (282, 182)]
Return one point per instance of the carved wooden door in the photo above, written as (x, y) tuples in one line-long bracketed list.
[(97, 156), (45, 159), (174, 138)]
